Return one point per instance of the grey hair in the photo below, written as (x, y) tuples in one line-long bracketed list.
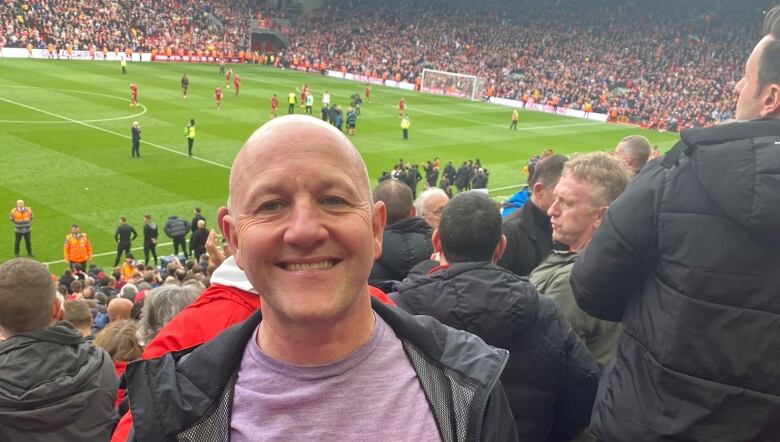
[(419, 203), (128, 291), (163, 304)]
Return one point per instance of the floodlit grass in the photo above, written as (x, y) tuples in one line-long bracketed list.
[(65, 141)]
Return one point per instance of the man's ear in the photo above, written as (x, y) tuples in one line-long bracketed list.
[(537, 189), (771, 101), (500, 249), (412, 212), (57, 311), (227, 225), (436, 240), (378, 221), (600, 216)]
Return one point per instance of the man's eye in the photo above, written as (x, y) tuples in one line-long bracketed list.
[(271, 206), (332, 201)]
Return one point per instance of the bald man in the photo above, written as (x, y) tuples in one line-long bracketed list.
[(119, 308), (22, 217), (304, 228)]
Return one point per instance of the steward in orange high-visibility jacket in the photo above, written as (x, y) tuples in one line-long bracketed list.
[(77, 248)]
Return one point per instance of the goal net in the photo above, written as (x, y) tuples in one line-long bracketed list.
[(450, 83)]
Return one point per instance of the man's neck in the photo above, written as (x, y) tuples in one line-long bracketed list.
[(315, 343)]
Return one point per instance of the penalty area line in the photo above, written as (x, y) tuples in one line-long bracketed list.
[(109, 131)]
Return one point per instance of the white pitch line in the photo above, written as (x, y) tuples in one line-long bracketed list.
[(514, 186), (92, 126), (105, 254), (100, 120)]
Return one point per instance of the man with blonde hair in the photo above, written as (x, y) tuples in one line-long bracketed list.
[(688, 260), (588, 185)]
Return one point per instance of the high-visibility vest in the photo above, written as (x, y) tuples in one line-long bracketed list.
[(22, 219), (189, 131), (77, 249), (291, 98)]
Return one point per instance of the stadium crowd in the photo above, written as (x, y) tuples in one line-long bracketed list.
[(629, 298), (673, 69)]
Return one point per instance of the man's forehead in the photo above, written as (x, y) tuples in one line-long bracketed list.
[(290, 143)]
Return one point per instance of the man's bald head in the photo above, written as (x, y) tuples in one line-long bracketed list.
[(293, 137), (119, 308), (772, 23), (397, 197)]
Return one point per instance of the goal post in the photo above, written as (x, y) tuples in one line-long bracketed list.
[(451, 83)]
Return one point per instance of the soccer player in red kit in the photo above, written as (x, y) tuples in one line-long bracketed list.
[(227, 77), (274, 106), (304, 93), (401, 107), (133, 94), (237, 83), (218, 97), (368, 92)]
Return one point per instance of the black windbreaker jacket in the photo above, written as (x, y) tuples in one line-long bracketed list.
[(550, 378), (187, 395)]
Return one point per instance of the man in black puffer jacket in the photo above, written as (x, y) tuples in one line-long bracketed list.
[(54, 385), (551, 378), (407, 238), (689, 259)]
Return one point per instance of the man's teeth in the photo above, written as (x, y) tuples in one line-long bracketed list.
[(309, 266)]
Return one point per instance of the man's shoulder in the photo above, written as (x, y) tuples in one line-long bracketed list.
[(445, 346), (557, 267)]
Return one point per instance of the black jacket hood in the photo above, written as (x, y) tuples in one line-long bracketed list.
[(464, 293), (52, 391), (739, 165)]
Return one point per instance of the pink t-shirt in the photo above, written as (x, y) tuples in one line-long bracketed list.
[(371, 395)]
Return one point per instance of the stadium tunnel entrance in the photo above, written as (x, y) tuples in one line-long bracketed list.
[(268, 41)]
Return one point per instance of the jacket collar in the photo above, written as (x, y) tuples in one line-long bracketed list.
[(186, 384)]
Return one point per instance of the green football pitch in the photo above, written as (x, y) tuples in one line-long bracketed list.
[(65, 141)]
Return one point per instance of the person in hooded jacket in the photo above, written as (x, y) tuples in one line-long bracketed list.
[(550, 378), (687, 258), (407, 238), (54, 385)]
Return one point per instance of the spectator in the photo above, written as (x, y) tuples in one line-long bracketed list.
[(407, 238), (163, 304), (80, 317), (120, 340), (528, 231), (281, 269), (588, 185), (52, 382), (119, 308), (550, 378), (634, 151), (687, 259), (430, 204)]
